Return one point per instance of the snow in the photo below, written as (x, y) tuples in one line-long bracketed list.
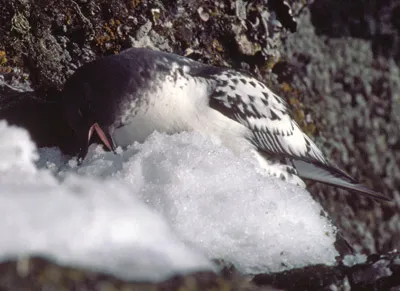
[(352, 260), (16, 149), (166, 206), (80, 225), (84, 222)]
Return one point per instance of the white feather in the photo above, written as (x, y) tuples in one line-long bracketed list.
[(240, 110), (266, 114), (169, 109)]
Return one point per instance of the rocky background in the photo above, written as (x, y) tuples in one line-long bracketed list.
[(338, 67)]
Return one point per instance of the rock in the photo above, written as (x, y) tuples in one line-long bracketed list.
[(343, 90), (41, 274), (379, 272), (352, 96), (43, 119), (377, 21)]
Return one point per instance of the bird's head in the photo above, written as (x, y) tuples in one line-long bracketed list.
[(94, 96), (83, 116)]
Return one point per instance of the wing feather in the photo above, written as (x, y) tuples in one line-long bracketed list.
[(252, 104), (274, 131)]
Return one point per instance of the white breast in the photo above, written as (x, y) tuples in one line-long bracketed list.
[(177, 104)]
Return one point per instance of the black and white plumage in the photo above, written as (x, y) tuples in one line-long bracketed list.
[(125, 97)]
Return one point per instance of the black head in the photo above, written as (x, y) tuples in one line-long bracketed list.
[(83, 117), (91, 100), (100, 91)]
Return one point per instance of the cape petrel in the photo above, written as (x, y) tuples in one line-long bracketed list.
[(124, 98)]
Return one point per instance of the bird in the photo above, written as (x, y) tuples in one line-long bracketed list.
[(125, 97)]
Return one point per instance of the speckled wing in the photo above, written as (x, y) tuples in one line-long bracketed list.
[(251, 103), (274, 132)]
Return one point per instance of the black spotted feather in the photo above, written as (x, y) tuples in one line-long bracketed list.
[(274, 131), (122, 84)]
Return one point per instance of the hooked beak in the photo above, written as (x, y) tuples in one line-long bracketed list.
[(104, 137)]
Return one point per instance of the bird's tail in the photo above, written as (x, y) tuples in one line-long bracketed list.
[(333, 176)]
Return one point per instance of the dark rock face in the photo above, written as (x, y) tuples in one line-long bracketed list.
[(349, 87), (352, 95), (377, 21), (379, 272), (44, 120), (50, 39), (39, 274)]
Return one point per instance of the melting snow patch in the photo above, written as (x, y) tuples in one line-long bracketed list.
[(217, 202), (156, 209), (84, 221), (16, 149), (351, 260)]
